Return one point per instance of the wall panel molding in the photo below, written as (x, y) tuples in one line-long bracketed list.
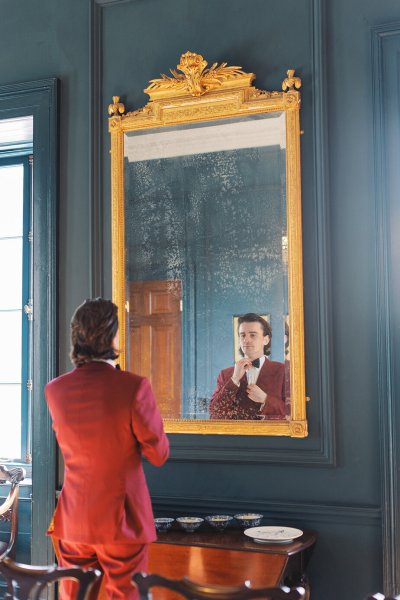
[(321, 449), (322, 241), (95, 143), (96, 119), (288, 512), (386, 101)]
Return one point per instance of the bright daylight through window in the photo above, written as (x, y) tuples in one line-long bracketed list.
[(11, 307)]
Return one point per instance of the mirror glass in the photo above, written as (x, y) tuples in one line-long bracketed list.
[(206, 242), (207, 261)]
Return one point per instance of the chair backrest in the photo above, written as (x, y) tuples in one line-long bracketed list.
[(195, 591), (9, 508), (379, 596), (26, 582)]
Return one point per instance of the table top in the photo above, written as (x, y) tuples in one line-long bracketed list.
[(234, 539)]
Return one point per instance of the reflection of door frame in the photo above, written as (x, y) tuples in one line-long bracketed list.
[(155, 332), (189, 347)]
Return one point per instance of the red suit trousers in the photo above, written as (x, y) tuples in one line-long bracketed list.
[(117, 562)]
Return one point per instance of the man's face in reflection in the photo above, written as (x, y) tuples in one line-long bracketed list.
[(252, 339)]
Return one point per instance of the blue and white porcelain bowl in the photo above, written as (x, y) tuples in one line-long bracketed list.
[(190, 524), (219, 522), (163, 523), (248, 519)]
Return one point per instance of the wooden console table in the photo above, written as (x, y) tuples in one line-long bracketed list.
[(230, 558)]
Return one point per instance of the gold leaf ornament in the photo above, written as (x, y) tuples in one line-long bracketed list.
[(196, 79), (291, 81), (116, 107)]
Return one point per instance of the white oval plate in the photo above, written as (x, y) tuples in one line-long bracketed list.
[(271, 534)]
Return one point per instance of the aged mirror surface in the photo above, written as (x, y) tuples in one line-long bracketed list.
[(206, 228)]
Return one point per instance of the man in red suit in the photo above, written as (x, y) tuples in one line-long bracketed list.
[(255, 387), (105, 420)]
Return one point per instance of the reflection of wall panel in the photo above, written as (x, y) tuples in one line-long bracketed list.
[(155, 339)]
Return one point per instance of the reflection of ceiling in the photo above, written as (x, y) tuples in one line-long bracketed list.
[(16, 133), (211, 138)]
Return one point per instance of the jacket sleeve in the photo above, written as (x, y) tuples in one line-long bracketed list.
[(275, 405), (148, 427), (224, 402)]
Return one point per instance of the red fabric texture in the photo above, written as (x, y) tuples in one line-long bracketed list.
[(105, 420), (117, 562)]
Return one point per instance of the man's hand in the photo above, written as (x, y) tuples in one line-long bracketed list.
[(256, 394), (240, 369)]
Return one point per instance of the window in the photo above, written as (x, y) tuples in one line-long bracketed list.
[(15, 307), (28, 125)]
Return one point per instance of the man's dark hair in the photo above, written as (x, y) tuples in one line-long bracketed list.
[(287, 341), (267, 330), (94, 325)]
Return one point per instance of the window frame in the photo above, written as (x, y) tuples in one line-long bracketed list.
[(40, 100)]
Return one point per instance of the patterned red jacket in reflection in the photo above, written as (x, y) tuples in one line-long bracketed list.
[(230, 401)]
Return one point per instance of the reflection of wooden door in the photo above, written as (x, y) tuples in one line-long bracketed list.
[(155, 339)]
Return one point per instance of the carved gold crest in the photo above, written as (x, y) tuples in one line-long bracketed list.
[(195, 79)]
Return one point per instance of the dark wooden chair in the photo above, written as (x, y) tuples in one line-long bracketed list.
[(379, 596), (26, 582), (195, 591), (9, 508)]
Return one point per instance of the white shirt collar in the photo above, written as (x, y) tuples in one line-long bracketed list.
[(110, 361)]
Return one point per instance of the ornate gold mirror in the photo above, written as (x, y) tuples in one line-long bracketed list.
[(206, 228)]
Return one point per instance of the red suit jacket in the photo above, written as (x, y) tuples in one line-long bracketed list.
[(105, 420), (230, 401)]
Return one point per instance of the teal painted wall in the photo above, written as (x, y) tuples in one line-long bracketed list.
[(139, 40)]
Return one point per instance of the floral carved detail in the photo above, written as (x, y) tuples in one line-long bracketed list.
[(255, 93), (146, 110), (298, 429), (291, 81), (195, 79)]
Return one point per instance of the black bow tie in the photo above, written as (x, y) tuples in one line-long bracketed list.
[(256, 363)]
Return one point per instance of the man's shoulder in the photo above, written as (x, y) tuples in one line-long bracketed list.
[(228, 372), (122, 382), (130, 377), (114, 374), (274, 366), (60, 379)]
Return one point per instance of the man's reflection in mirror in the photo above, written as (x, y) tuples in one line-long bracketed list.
[(254, 388)]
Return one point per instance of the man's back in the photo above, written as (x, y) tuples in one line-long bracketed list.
[(104, 420)]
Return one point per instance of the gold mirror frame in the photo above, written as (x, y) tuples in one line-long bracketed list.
[(201, 94)]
